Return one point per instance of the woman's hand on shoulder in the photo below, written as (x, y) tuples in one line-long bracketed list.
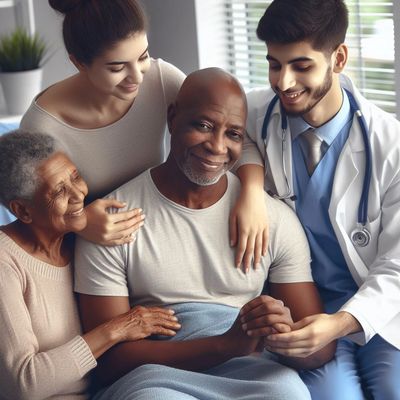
[(248, 228), (111, 229)]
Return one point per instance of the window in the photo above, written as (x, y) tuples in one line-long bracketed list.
[(23, 13), (371, 46), (370, 38)]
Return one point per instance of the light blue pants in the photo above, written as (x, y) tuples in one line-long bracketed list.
[(357, 372), (243, 378)]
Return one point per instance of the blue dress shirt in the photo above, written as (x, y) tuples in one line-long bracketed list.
[(329, 269)]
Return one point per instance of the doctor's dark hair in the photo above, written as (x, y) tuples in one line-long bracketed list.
[(322, 23), (92, 26), (21, 154)]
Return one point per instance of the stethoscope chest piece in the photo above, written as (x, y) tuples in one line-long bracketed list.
[(360, 237)]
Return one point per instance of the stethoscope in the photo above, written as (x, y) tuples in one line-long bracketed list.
[(360, 236)]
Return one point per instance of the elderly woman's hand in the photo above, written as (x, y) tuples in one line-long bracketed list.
[(111, 229), (140, 322), (137, 323)]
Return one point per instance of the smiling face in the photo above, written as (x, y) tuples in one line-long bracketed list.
[(119, 71), (207, 125), (303, 78), (57, 205)]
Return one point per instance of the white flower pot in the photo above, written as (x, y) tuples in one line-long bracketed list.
[(19, 89)]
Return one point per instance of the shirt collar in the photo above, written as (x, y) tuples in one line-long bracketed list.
[(330, 129)]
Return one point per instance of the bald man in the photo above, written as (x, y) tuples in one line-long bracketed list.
[(182, 258)]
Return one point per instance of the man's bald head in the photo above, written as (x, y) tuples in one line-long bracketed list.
[(203, 84)]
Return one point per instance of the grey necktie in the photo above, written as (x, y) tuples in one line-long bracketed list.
[(311, 145)]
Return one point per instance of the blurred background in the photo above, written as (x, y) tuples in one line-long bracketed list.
[(194, 34)]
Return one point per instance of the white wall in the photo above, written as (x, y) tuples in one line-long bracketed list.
[(187, 33), (48, 26), (173, 32), (7, 20), (212, 37)]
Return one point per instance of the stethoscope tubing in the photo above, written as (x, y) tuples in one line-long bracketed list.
[(355, 111)]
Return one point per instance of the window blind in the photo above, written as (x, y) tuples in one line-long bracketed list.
[(370, 38)]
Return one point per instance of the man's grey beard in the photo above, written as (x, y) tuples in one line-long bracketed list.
[(201, 179)]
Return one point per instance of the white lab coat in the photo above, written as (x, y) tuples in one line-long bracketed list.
[(375, 268)]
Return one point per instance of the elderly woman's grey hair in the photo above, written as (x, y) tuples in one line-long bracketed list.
[(21, 153)]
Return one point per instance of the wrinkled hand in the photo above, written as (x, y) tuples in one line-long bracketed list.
[(265, 315), (238, 343), (248, 229), (307, 336), (110, 229), (140, 322)]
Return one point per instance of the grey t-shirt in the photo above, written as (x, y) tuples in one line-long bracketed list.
[(183, 255)]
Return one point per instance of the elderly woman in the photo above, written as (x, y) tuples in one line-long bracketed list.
[(42, 351)]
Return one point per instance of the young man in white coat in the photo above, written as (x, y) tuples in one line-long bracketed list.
[(343, 180)]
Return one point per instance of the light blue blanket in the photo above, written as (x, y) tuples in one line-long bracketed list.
[(243, 378), (201, 320)]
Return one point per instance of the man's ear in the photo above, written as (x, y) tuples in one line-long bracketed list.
[(79, 65), (171, 114), (340, 54), (21, 210)]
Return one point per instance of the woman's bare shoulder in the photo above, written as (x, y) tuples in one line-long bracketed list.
[(58, 98)]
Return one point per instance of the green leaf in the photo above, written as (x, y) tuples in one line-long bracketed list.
[(20, 51)]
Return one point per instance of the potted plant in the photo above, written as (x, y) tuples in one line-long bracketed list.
[(21, 57)]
